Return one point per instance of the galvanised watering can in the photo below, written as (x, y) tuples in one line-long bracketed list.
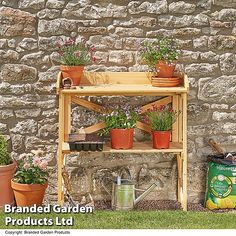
[(123, 194)]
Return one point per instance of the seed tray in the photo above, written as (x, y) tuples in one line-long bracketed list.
[(90, 142)]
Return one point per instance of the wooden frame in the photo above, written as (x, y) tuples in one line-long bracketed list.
[(126, 84)]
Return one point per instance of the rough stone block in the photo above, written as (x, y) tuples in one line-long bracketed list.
[(221, 89), (128, 31), (222, 42), (202, 69), (92, 30), (228, 63), (18, 73), (181, 7), (27, 126), (174, 21), (48, 14), (16, 22), (17, 142), (8, 56), (227, 14), (57, 4), (28, 44), (27, 113), (56, 27), (159, 7), (121, 57), (34, 4)]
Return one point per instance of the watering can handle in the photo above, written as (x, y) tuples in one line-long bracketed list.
[(105, 188)]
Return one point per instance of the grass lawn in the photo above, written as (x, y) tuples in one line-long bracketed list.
[(137, 220)]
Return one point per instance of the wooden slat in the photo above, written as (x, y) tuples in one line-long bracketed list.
[(162, 101), (125, 90), (94, 128), (179, 169), (87, 104), (180, 120), (139, 147), (67, 119), (58, 84), (93, 78), (60, 147), (175, 126), (143, 126), (184, 153)]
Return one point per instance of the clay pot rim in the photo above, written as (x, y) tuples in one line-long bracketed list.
[(161, 131), (67, 66), (27, 187), (173, 63), (122, 129), (8, 167)]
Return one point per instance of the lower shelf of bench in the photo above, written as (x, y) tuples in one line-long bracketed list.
[(139, 147)]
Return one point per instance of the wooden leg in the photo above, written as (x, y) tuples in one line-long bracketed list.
[(60, 159), (60, 183), (180, 184), (184, 153)]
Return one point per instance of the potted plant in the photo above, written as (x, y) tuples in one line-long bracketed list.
[(161, 56), (74, 56), (7, 170), (30, 180), (121, 123), (161, 120)]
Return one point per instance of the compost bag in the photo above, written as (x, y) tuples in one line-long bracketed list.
[(221, 183)]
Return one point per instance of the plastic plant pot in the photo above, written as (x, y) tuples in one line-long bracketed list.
[(161, 139), (122, 138)]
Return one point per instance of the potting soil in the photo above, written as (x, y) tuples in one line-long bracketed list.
[(221, 184)]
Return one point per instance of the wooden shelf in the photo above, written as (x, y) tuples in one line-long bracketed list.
[(123, 89), (139, 147)]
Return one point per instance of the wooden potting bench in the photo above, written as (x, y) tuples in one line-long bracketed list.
[(125, 84)]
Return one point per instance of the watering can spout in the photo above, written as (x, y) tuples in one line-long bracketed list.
[(143, 195)]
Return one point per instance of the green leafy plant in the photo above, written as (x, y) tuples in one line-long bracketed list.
[(5, 158), (162, 49), (161, 118), (32, 169), (75, 53), (122, 117)]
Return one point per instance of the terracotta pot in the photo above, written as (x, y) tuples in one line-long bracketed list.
[(29, 194), (161, 139), (122, 138), (6, 174), (165, 70), (73, 72)]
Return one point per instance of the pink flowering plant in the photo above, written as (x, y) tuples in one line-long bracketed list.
[(32, 169), (76, 53), (122, 117), (162, 49), (161, 118)]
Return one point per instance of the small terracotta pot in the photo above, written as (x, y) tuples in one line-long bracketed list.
[(122, 138), (6, 174), (73, 72), (165, 70), (28, 194), (161, 139)]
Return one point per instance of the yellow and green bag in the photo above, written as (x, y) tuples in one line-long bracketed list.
[(221, 184)]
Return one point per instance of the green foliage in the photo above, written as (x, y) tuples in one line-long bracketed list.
[(31, 170), (75, 53), (161, 119), (5, 158), (162, 49), (120, 118)]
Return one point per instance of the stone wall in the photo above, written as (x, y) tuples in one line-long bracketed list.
[(205, 29)]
